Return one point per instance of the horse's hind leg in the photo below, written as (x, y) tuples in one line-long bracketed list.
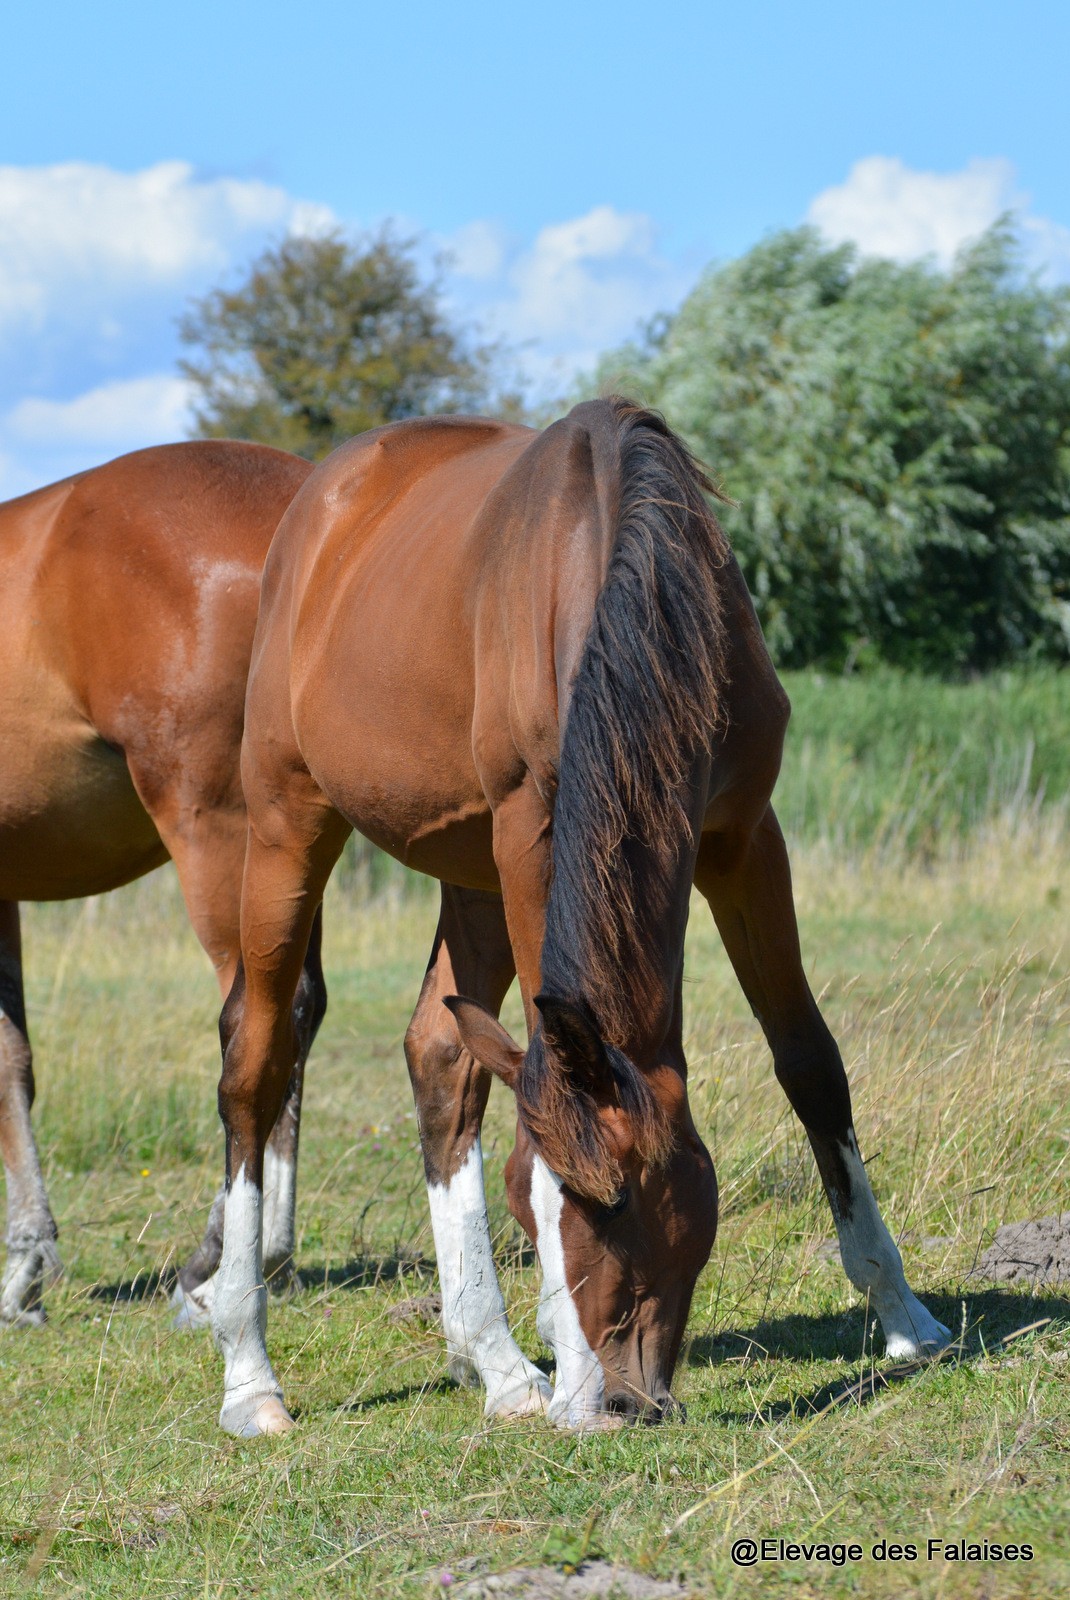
[(208, 849), (32, 1259), (294, 841), (471, 956), (749, 891)]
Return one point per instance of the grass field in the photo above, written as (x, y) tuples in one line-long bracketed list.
[(942, 960)]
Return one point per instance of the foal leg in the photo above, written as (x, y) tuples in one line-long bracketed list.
[(32, 1258), (288, 862), (751, 900), (471, 956)]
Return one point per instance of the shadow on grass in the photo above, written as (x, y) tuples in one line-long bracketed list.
[(408, 1391), (362, 1272), (984, 1323), (142, 1286)]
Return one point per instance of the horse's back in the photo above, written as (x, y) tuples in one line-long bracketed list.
[(128, 601), (368, 612)]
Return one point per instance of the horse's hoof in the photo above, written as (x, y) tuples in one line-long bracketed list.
[(33, 1318), (597, 1422), (28, 1272), (922, 1338), (524, 1399), (249, 1418)]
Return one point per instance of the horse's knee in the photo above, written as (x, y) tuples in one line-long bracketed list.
[(432, 1051)]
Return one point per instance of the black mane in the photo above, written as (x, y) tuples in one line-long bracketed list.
[(643, 707)]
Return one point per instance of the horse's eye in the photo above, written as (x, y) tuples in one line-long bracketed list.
[(616, 1206)]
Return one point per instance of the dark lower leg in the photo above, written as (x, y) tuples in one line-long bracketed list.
[(32, 1259), (280, 1154), (751, 898)]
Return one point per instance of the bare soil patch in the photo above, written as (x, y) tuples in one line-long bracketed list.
[(1036, 1253), (595, 1580)]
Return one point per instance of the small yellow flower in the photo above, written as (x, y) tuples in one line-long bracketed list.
[(145, 1171)]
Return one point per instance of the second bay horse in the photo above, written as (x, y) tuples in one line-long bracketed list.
[(528, 665), (128, 599)]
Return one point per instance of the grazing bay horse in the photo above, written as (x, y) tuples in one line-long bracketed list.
[(528, 665), (128, 599)]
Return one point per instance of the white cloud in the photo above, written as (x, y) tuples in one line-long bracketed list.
[(478, 250), (99, 234), (44, 440), (95, 267), (889, 209), (115, 416), (580, 287)]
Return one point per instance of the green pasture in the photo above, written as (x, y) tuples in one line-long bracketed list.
[(940, 951)]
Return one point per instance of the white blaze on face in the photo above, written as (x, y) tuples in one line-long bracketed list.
[(580, 1384), (473, 1311), (872, 1262)]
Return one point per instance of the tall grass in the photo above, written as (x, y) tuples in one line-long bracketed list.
[(900, 761), (944, 980)]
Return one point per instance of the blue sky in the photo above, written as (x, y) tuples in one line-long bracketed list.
[(582, 162)]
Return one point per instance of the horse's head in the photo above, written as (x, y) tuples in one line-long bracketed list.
[(615, 1189)]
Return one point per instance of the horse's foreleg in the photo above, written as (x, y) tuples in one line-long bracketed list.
[(32, 1258), (287, 865), (750, 895), (471, 956)]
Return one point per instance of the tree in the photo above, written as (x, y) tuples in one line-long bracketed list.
[(897, 439), (325, 338)]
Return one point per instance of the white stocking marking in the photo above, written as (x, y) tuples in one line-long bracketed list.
[(872, 1262), (579, 1385), (252, 1400), (473, 1311), (280, 1196)]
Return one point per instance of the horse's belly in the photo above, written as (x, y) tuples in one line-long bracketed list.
[(443, 829), (71, 823)]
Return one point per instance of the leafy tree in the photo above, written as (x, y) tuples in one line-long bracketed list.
[(897, 439), (325, 338)]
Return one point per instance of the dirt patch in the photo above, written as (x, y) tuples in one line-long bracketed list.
[(419, 1308), (1036, 1253), (595, 1580)]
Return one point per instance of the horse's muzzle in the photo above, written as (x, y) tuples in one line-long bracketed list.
[(660, 1406)]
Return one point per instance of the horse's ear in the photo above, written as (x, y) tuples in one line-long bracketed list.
[(571, 1033), (485, 1037)]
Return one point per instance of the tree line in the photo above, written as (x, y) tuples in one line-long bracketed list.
[(894, 439)]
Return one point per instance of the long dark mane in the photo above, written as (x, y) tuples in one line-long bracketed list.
[(643, 708)]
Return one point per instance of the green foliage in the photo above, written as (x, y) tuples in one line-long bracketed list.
[(897, 439), (325, 338)]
